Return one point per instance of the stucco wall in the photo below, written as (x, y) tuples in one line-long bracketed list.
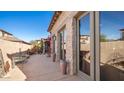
[(11, 47), (108, 50)]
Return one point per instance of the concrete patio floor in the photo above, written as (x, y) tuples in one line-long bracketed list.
[(14, 75), (41, 68)]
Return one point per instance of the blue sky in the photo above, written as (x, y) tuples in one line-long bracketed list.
[(26, 25), (31, 25), (84, 25), (110, 23)]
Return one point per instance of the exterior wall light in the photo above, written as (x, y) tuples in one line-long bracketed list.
[(54, 37)]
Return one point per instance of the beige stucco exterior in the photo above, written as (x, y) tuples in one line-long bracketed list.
[(9, 47)]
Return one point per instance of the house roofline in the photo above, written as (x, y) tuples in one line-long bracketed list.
[(26, 42), (122, 29), (5, 32), (54, 19)]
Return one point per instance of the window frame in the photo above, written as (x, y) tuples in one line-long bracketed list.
[(62, 31), (92, 47)]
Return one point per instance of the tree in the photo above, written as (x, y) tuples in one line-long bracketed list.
[(37, 44), (33, 42), (103, 38)]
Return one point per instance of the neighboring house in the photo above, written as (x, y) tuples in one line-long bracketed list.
[(5, 34), (122, 34), (76, 39), (85, 39), (11, 45)]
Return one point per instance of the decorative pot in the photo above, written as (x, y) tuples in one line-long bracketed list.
[(63, 66)]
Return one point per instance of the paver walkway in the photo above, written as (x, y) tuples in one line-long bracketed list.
[(41, 68)]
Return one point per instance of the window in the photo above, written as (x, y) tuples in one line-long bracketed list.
[(63, 45)]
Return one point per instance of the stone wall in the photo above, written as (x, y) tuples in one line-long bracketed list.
[(65, 20)]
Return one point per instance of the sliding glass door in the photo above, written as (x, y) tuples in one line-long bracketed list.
[(111, 45), (86, 50), (100, 42)]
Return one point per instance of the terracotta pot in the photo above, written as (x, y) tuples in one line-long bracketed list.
[(63, 66)]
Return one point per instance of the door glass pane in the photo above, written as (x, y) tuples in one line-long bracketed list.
[(84, 28), (54, 40), (112, 45), (63, 45)]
